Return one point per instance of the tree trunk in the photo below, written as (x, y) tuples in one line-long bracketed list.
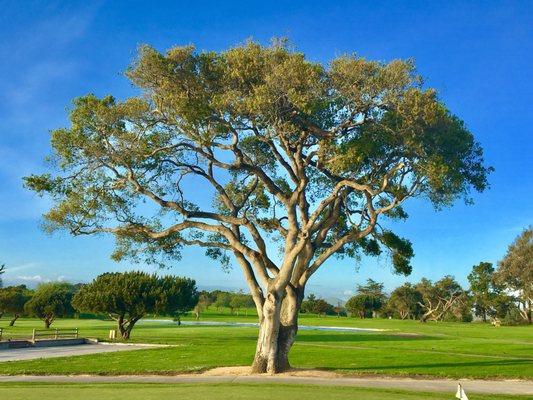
[(47, 323), (126, 325), (124, 332), (277, 331), (15, 317), (525, 311)]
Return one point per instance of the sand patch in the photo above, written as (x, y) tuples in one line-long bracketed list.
[(246, 371)]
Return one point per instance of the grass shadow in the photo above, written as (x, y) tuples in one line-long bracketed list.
[(359, 337)]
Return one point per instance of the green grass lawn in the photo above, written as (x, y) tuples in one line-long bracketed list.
[(455, 350), (19, 391)]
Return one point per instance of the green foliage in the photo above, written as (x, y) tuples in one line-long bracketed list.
[(515, 271), (484, 290), (361, 305), (308, 304), (240, 301), (516, 268), (223, 299), (51, 301), (369, 300), (404, 302), (401, 250), (129, 296), (313, 305), (280, 120), (13, 298), (443, 300)]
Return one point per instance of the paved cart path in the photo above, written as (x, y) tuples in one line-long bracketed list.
[(437, 385), (30, 353)]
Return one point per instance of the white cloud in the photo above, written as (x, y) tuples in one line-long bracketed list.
[(33, 278)]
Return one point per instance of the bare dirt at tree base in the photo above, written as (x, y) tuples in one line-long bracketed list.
[(247, 371)]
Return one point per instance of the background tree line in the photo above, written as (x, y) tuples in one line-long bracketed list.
[(502, 295), (124, 297)]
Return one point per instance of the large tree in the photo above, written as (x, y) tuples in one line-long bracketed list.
[(128, 296), (515, 271), (292, 153)]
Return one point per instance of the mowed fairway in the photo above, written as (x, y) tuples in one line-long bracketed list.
[(453, 350), (213, 391)]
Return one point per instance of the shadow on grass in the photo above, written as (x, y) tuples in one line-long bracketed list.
[(481, 364), (358, 337)]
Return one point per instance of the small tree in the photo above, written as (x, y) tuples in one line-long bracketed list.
[(322, 307), (404, 301), (376, 297), (129, 296), (235, 303), (515, 271), (223, 300), (51, 301), (339, 310), (308, 305), (12, 300), (316, 306), (360, 304), (204, 301)]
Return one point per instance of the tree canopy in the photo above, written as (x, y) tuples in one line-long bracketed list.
[(128, 296), (484, 289), (50, 301), (439, 298), (405, 301), (316, 306), (12, 301), (290, 151), (360, 304), (515, 270)]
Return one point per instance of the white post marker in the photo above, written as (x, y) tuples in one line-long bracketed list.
[(461, 395)]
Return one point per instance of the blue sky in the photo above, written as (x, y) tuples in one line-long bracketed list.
[(478, 55)]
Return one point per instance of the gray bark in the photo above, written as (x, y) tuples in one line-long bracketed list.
[(277, 331)]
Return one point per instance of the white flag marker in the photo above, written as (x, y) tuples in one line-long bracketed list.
[(461, 395)]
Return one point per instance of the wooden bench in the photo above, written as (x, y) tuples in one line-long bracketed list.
[(39, 334)]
